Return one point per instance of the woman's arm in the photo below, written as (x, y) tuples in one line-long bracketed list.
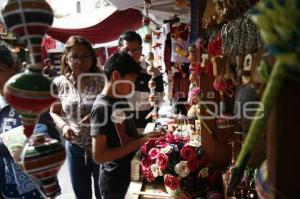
[(56, 114)]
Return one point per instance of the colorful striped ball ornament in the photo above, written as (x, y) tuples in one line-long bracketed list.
[(29, 92), (42, 158)]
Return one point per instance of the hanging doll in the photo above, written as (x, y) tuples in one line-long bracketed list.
[(178, 41)]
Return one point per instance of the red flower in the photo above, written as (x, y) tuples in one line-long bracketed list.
[(162, 161), (193, 164), (188, 153), (171, 181), (161, 143), (146, 162), (147, 146), (153, 153), (162, 156), (170, 138), (148, 174), (178, 138), (143, 149)]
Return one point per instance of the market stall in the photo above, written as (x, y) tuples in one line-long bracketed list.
[(233, 78), (219, 56)]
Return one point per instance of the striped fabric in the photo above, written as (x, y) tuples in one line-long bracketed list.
[(14, 183)]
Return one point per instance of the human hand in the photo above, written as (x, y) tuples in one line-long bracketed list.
[(68, 133), (85, 120), (152, 136)]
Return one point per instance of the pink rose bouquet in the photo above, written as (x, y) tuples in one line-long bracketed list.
[(179, 162)]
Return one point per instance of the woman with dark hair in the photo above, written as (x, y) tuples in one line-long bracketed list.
[(77, 88)]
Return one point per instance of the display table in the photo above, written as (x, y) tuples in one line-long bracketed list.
[(140, 190)]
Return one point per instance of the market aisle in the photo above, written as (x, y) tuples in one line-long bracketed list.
[(65, 184)]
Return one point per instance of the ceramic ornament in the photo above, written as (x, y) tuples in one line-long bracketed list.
[(42, 158), (29, 92)]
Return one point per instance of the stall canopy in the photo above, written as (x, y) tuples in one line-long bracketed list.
[(159, 10), (105, 31)]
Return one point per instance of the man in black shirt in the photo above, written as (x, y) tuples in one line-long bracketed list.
[(131, 42)]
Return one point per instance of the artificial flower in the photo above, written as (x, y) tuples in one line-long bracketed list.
[(195, 142), (162, 161), (171, 181), (161, 143), (147, 173), (153, 153), (203, 173), (146, 162), (194, 92), (188, 153), (156, 170), (147, 146), (180, 160), (166, 149), (182, 169), (193, 95)]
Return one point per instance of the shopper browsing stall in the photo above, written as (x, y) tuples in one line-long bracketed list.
[(115, 136), (78, 87)]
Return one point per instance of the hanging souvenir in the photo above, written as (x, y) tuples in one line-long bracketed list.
[(224, 121), (151, 70), (29, 92), (42, 158), (147, 3), (147, 38), (146, 21)]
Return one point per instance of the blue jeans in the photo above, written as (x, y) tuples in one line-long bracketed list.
[(81, 174)]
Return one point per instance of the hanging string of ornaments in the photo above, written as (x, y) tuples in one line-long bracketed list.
[(151, 69)]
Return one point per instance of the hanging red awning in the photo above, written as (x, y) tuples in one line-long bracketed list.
[(107, 30)]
